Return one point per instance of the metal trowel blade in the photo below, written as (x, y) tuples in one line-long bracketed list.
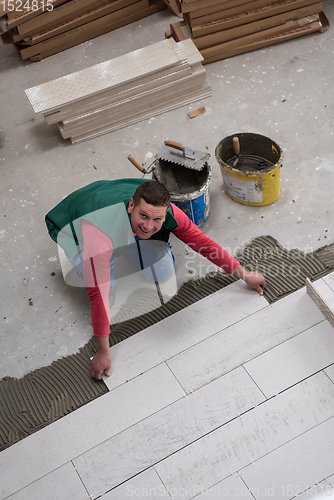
[(190, 158)]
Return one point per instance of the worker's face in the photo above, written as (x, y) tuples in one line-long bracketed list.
[(146, 219)]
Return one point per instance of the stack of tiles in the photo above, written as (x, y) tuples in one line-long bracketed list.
[(122, 91), (41, 28), (225, 28)]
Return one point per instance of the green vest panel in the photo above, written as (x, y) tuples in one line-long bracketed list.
[(105, 204)]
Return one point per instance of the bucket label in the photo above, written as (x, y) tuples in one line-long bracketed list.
[(249, 191)]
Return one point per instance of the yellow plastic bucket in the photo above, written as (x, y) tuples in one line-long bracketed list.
[(248, 182)]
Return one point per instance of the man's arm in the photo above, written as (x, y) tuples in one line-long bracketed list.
[(98, 250), (190, 234)]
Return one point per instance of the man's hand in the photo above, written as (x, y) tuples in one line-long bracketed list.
[(253, 279), (101, 362)]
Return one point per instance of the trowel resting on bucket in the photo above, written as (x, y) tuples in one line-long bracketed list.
[(179, 154), (186, 173)]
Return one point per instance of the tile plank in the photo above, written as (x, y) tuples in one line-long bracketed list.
[(250, 437), (330, 372), (60, 484), (145, 485), (319, 491), (87, 427), (119, 409), (231, 488), (329, 280), (167, 431), (182, 330), (294, 360), (243, 341), (294, 467), (30, 459)]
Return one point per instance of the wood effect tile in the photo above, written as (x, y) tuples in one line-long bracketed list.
[(143, 395), (294, 467), (329, 280), (117, 410), (244, 340), (199, 94), (319, 491), (145, 485), (294, 360), (330, 372), (30, 459), (87, 427), (182, 330), (95, 79), (62, 483), (167, 431), (258, 432), (231, 488)]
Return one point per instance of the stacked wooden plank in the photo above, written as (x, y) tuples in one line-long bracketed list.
[(122, 91), (224, 28), (47, 27)]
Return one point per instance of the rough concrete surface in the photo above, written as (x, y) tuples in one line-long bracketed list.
[(284, 92)]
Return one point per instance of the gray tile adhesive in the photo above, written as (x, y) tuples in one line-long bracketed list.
[(47, 394)]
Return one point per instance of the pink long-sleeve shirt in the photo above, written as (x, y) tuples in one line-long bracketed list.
[(98, 250)]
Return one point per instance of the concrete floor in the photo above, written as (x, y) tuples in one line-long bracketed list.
[(284, 92)]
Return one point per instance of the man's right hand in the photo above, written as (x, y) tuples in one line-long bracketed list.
[(101, 362)]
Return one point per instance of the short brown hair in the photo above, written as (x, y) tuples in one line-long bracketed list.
[(152, 192)]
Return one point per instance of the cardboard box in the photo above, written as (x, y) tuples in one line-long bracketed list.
[(211, 14), (172, 5), (269, 11), (245, 39), (180, 31), (58, 15), (79, 21), (256, 26), (88, 32), (197, 4), (89, 27), (309, 28), (23, 15)]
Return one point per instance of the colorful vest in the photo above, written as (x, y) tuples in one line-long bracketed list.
[(105, 204)]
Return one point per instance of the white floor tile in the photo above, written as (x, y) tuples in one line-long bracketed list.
[(245, 340), (88, 427), (294, 360), (330, 372), (182, 330), (167, 431), (143, 395), (231, 488), (329, 280), (294, 467), (145, 485), (29, 460), (319, 491), (122, 407), (255, 434), (63, 483)]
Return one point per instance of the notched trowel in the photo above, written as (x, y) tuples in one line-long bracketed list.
[(179, 154)]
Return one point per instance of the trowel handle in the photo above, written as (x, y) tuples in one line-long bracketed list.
[(175, 145), (136, 163), (236, 145)]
